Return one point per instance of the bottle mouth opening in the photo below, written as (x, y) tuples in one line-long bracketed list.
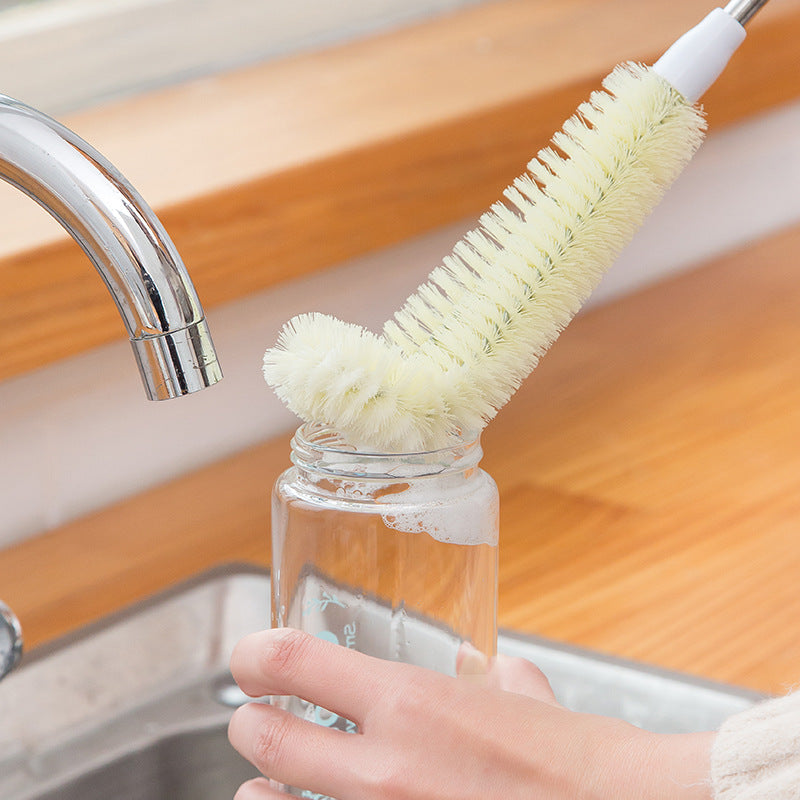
[(320, 448)]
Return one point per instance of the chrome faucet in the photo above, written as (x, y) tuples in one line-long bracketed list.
[(123, 238), (132, 252), (10, 640)]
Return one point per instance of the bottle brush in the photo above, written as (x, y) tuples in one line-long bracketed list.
[(461, 345)]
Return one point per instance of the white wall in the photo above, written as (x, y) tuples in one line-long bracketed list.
[(60, 55), (79, 434)]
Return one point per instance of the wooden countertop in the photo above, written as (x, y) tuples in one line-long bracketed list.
[(650, 489)]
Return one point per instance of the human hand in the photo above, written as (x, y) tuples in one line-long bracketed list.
[(426, 736)]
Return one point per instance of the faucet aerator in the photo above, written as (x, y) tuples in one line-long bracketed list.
[(177, 363)]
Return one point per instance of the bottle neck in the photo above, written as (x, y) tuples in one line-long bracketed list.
[(323, 452)]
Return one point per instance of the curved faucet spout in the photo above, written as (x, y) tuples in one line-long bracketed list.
[(123, 238)]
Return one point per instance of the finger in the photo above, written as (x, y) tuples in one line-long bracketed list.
[(291, 750), (257, 789), (289, 662), (520, 676)]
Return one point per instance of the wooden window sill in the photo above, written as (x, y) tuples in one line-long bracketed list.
[(272, 172)]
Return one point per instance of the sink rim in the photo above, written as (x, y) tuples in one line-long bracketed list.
[(188, 698)]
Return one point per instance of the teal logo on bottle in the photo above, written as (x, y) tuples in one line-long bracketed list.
[(322, 603), (321, 715)]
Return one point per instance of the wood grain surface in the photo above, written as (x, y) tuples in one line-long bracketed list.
[(649, 472), (288, 167)]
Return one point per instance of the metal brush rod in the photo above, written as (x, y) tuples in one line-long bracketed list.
[(744, 10)]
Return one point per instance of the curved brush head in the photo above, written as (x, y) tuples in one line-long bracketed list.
[(464, 341)]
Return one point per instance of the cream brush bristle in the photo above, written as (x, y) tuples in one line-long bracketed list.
[(462, 344), (465, 340)]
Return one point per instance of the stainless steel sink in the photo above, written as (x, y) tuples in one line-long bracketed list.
[(136, 707), (193, 765)]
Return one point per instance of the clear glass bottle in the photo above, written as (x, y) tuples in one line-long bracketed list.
[(394, 555)]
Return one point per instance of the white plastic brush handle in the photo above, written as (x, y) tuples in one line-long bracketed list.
[(696, 60)]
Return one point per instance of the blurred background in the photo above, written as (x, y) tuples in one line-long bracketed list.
[(64, 55), (75, 430)]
